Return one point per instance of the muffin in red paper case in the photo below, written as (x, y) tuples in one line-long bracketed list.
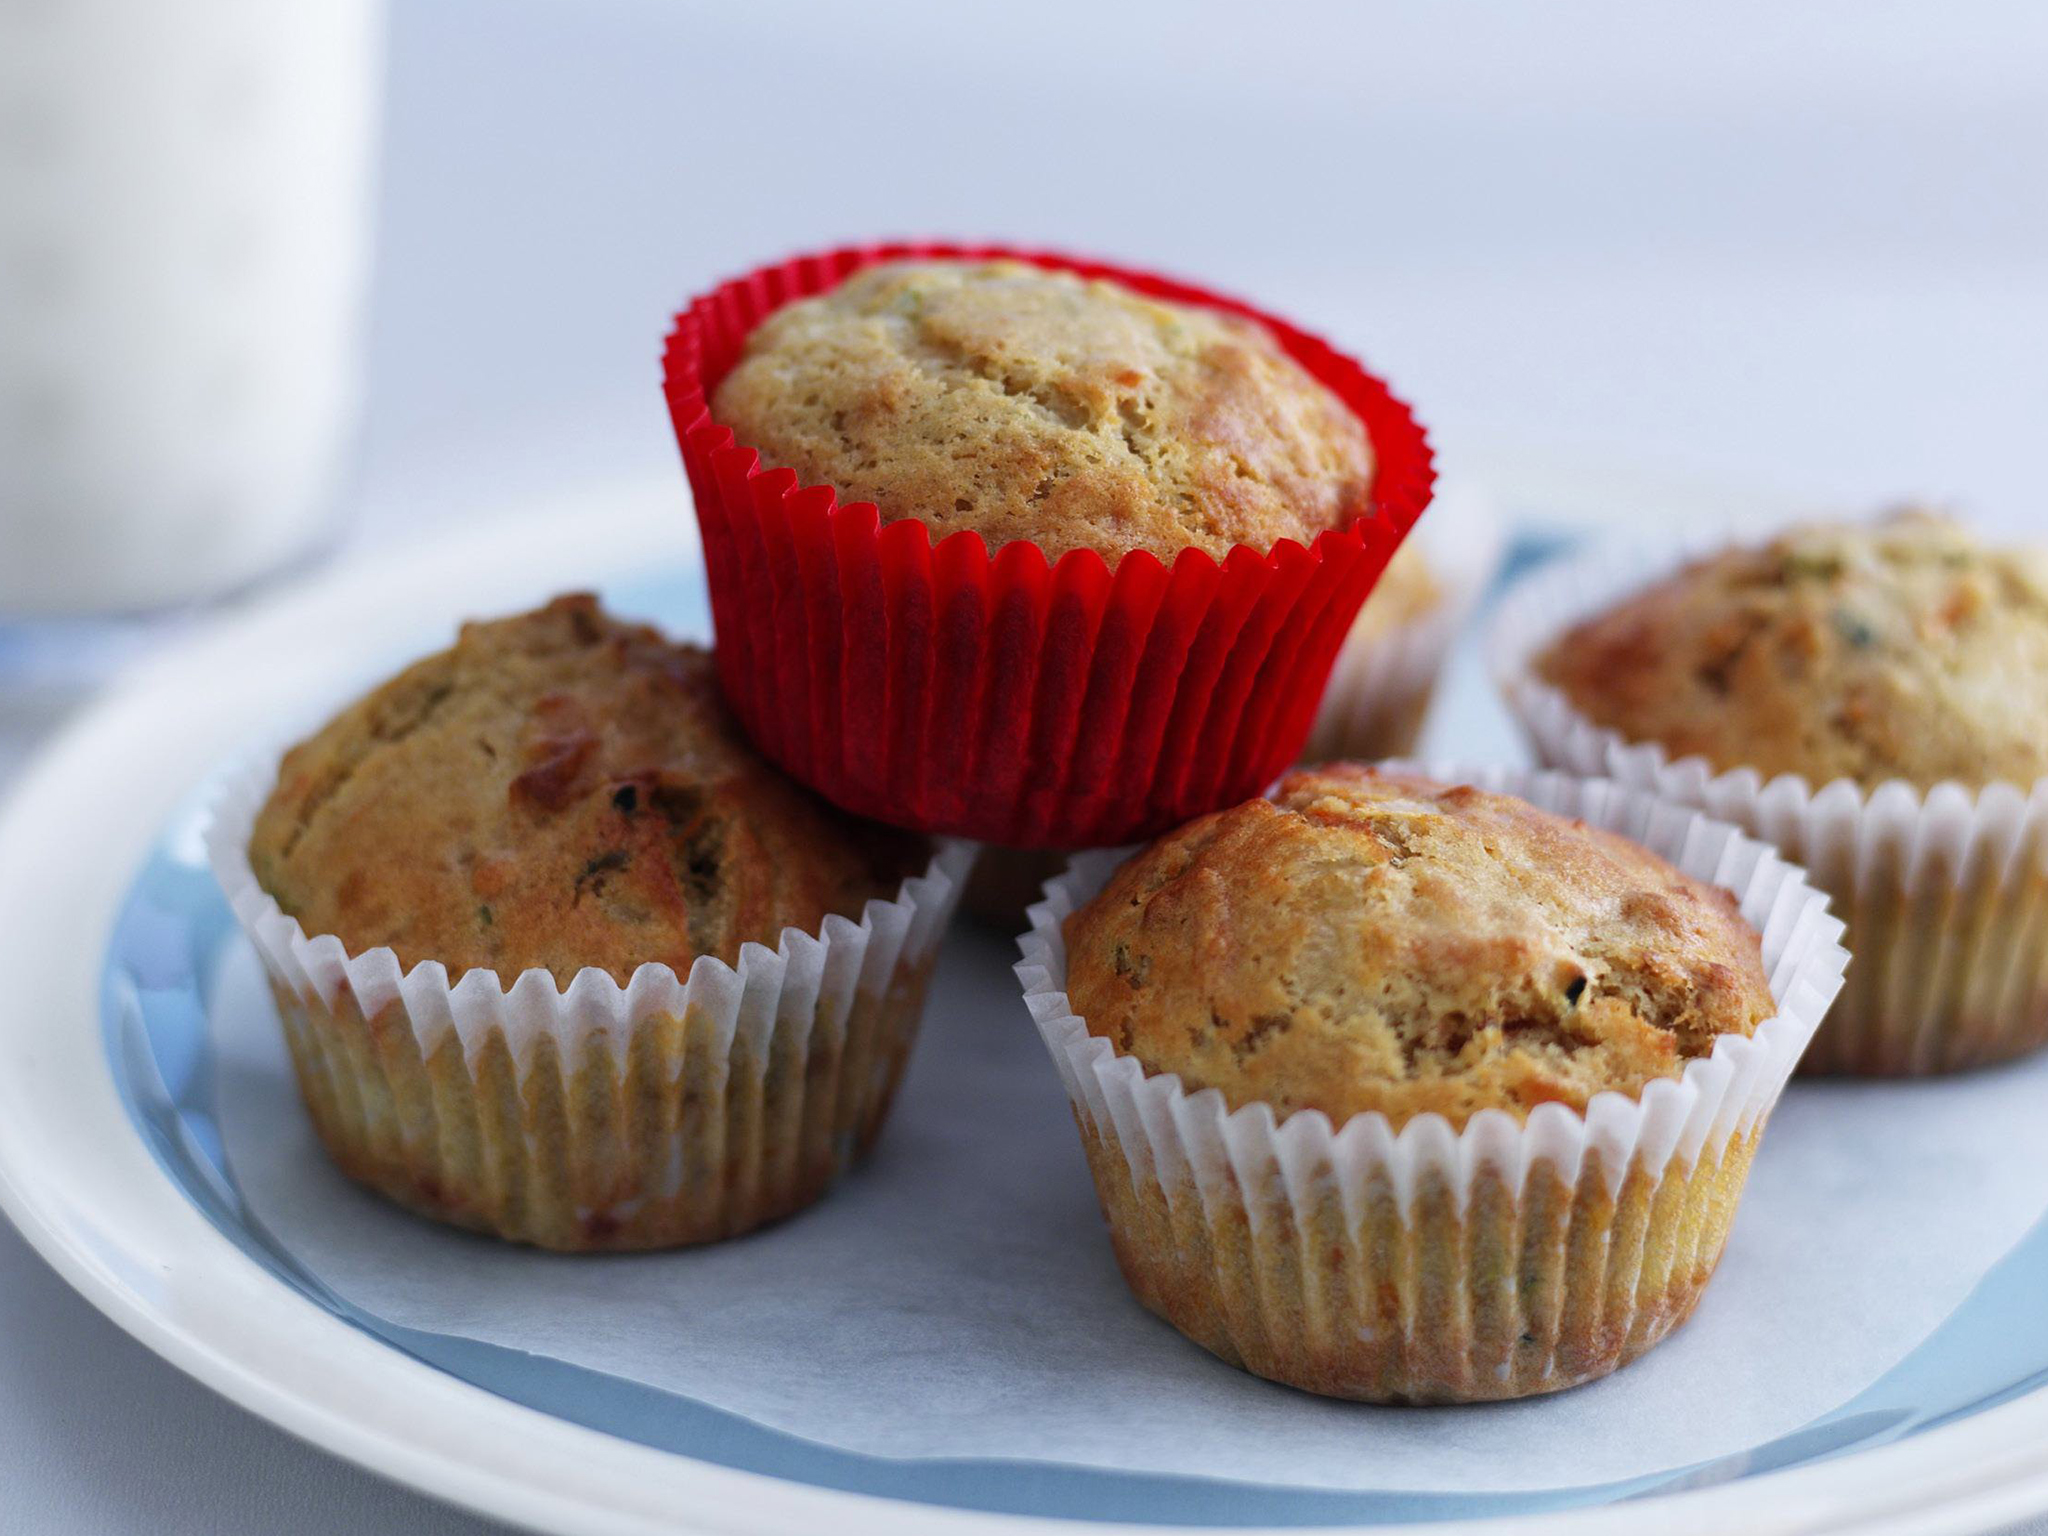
[(1069, 687)]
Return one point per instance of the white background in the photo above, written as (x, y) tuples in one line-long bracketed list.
[(1760, 251)]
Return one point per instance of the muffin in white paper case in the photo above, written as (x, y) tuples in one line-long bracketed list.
[(1944, 890), (670, 1110), (1421, 1263), (1386, 670)]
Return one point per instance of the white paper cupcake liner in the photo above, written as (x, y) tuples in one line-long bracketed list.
[(1425, 1263), (1945, 891), (664, 1111), (1382, 682)]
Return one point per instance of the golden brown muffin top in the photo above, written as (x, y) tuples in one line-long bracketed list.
[(558, 790), (1407, 591), (1033, 404), (1904, 649), (1377, 941)]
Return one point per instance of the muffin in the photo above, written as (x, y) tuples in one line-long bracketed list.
[(1905, 649), (1872, 697), (1028, 550), (1386, 671), (1023, 403), (1380, 1078), (560, 958)]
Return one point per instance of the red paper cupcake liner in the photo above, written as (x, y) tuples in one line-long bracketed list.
[(1003, 696)]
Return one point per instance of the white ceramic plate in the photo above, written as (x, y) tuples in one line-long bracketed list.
[(105, 1163)]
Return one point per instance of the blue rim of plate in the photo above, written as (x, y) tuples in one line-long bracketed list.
[(173, 926)]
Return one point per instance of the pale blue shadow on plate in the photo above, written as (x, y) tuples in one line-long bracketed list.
[(154, 1008)]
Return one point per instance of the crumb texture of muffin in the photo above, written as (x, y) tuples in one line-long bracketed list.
[(1377, 941), (1902, 649), (1032, 404), (558, 790)]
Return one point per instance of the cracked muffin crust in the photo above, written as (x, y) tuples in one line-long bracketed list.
[(1377, 941), (1905, 649), (558, 790), (1033, 404)]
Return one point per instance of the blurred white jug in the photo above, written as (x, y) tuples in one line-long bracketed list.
[(184, 227)]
